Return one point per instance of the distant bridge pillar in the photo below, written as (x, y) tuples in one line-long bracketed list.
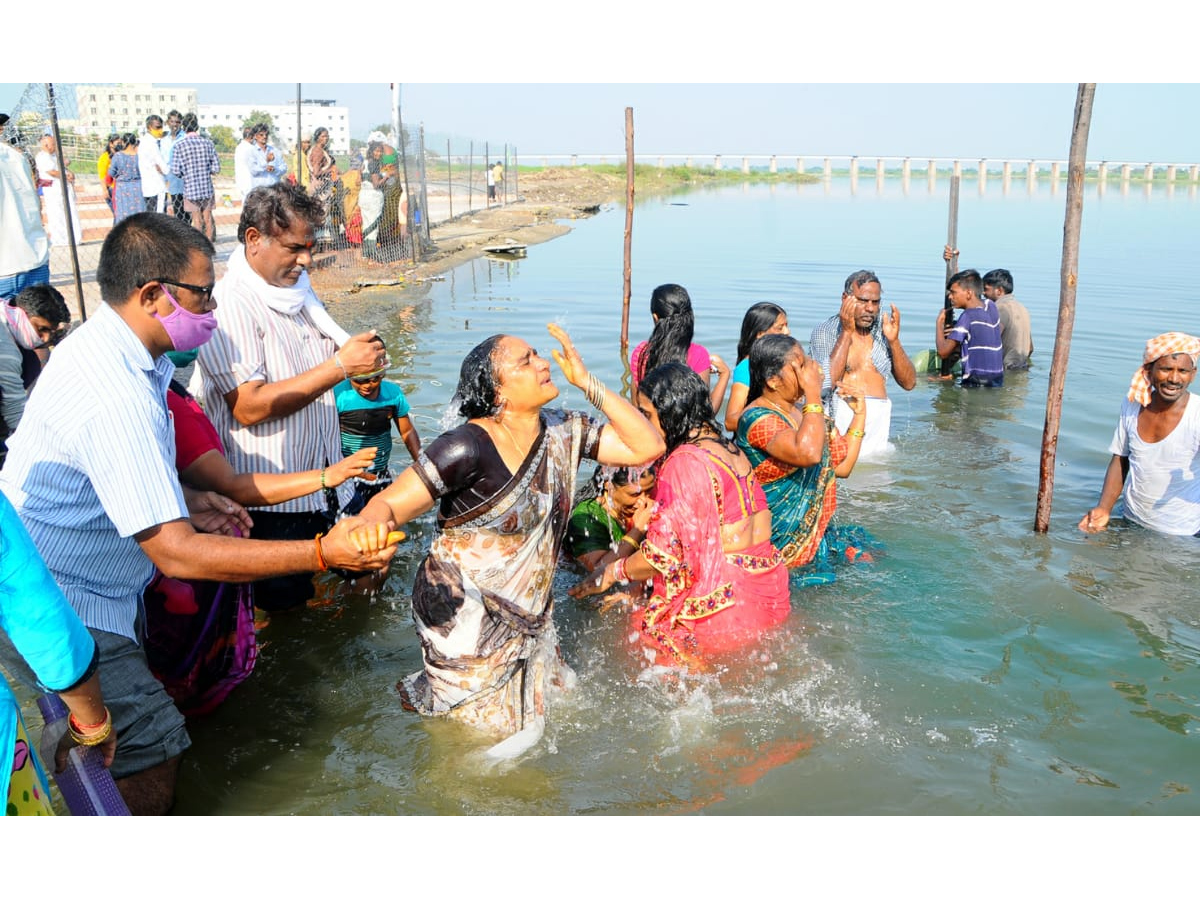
[(689, 162), (574, 160), (828, 169), (1054, 172), (982, 171), (1125, 172), (745, 165), (906, 168), (772, 167), (1031, 176), (1170, 174), (800, 165), (957, 169), (853, 168), (661, 163), (932, 170), (717, 162), (1102, 172), (1148, 174)]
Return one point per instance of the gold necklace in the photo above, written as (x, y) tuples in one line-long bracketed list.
[(779, 409), (524, 453)]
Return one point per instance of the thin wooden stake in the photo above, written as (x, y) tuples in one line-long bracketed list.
[(628, 289), (1068, 279), (951, 265), (68, 192)]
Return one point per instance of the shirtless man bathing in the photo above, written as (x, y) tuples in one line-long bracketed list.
[(858, 349)]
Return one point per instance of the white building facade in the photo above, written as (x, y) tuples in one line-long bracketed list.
[(314, 114), (104, 109)]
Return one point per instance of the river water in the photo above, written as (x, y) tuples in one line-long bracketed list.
[(975, 668)]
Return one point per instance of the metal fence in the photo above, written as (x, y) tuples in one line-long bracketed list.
[(379, 218)]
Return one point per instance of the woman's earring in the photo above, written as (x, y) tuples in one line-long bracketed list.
[(500, 409)]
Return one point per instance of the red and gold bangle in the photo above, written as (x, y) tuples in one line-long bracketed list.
[(322, 566), (619, 572), (90, 740)]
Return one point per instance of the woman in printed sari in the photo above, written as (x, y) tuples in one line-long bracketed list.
[(798, 454), (505, 481), (718, 582)]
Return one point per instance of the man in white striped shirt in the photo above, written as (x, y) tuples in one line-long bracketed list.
[(91, 471), (270, 368)]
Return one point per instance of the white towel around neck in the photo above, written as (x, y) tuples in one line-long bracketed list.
[(288, 300)]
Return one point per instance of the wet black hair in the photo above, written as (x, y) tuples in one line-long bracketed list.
[(858, 279), (672, 335), (683, 405), (476, 391), (767, 358), (758, 319)]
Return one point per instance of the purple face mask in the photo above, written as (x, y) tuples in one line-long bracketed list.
[(187, 330)]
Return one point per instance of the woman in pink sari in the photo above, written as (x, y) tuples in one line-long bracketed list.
[(718, 581)]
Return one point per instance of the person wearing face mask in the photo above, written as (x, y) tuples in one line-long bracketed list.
[(91, 472), (152, 164), (270, 369)]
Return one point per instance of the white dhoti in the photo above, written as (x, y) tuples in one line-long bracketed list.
[(878, 426)]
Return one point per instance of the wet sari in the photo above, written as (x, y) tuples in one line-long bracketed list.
[(803, 500), (482, 598), (705, 600)]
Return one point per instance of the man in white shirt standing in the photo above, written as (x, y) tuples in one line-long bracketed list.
[(152, 165), (267, 164), (24, 246), (242, 157)]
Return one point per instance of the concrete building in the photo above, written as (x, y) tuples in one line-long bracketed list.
[(313, 115), (105, 109)]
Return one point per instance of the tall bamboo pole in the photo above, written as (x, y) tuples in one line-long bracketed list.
[(68, 190), (1068, 279), (628, 290), (951, 263)]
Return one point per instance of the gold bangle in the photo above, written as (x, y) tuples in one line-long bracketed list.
[(856, 432), (635, 544), (812, 408), (91, 740), (323, 477)]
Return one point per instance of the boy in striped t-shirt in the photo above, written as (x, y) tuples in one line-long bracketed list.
[(977, 330), (367, 405)]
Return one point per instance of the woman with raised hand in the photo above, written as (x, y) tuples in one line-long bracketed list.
[(798, 455), (504, 482), (718, 582)]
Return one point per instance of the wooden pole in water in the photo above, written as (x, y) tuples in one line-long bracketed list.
[(951, 263), (1068, 279), (68, 195), (628, 290)]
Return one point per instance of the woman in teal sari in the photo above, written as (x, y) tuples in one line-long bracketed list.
[(798, 455)]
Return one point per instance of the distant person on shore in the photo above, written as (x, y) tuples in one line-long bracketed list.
[(242, 157), (55, 176), (175, 133), (1156, 447), (125, 173), (858, 349), (194, 159), (153, 165), (1015, 332), (498, 177), (111, 149), (976, 333), (490, 174), (267, 164)]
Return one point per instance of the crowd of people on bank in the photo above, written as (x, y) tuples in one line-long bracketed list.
[(144, 528)]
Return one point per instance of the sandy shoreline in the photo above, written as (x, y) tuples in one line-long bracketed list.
[(547, 200)]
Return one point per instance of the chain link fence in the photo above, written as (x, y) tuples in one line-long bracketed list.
[(382, 198)]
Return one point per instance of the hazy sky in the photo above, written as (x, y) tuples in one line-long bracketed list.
[(1131, 122)]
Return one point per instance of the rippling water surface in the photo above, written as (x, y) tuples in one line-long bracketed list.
[(976, 668)]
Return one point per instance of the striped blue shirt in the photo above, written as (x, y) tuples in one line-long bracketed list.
[(978, 331), (93, 464)]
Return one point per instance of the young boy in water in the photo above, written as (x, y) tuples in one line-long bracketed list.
[(977, 332), (367, 405)]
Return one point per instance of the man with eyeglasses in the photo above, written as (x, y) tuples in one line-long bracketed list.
[(858, 350), (91, 472), (270, 369)]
